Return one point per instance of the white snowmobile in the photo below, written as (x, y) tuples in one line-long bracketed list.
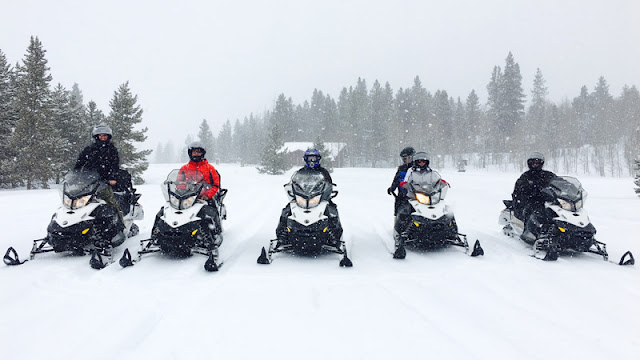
[(310, 225), (432, 223), (84, 223), (185, 225), (568, 227)]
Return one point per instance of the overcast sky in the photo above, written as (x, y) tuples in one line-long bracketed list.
[(190, 60)]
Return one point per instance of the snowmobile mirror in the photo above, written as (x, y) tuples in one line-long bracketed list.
[(334, 193)]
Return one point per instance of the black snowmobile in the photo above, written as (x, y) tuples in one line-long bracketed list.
[(431, 224), (84, 223), (185, 225), (310, 225), (567, 227)]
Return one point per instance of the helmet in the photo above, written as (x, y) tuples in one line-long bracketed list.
[(406, 152), (101, 129), (535, 161), (418, 157), (196, 145), (312, 158)]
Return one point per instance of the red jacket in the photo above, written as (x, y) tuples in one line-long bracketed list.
[(208, 172)]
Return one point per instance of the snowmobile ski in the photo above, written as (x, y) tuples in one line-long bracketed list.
[(266, 257), (148, 246)]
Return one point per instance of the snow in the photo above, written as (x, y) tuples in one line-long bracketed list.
[(440, 304)]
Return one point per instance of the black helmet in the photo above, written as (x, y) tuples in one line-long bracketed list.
[(535, 161), (418, 157), (196, 145), (312, 158), (101, 129), (407, 152)]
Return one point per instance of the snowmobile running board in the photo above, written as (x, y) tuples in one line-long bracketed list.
[(266, 258), (148, 247)]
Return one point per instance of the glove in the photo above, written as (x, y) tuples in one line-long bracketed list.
[(389, 191), (403, 184)]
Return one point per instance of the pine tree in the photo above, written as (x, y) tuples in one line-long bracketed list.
[(273, 159), (636, 169), (327, 159), (95, 116), (34, 134), (124, 115), (381, 108), (8, 115), (62, 159), (205, 136), (536, 123), (225, 142)]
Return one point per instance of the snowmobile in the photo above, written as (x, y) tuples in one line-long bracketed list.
[(310, 225), (432, 224), (185, 225), (567, 227), (84, 223)]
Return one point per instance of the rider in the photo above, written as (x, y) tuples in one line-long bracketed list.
[(312, 165), (102, 156), (528, 203), (419, 173), (407, 161), (197, 162)]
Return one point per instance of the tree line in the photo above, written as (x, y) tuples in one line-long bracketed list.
[(594, 132), (44, 128)]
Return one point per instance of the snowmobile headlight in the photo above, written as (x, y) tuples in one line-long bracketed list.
[(66, 201), (81, 202), (566, 205), (308, 204), (578, 204), (174, 201), (314, 201), (188, 202), (302, 202), (423, 199)]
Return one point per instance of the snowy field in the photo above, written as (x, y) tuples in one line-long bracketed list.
[(437, 305)]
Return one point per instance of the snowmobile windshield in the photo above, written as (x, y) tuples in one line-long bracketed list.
[(427, 188), (308, 188), (568, 192), (78, 187), (182, 187)]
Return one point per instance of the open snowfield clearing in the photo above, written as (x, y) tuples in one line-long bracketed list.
[(441, 304)]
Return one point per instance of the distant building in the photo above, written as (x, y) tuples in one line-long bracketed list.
[(337, 151)]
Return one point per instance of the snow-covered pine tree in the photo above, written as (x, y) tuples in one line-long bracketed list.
[(327, 159), (124, 115), (636, 169), (95, 116), (79, 126), (63, 158), (381, 109), (34, 137), (273, 159), (8, 115), (205, 136), (225, 142)]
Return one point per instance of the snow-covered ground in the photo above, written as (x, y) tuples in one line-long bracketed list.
[(438, 305)]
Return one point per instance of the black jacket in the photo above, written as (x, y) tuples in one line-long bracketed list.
[(399, 177), (101, 157), (528, 188)]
